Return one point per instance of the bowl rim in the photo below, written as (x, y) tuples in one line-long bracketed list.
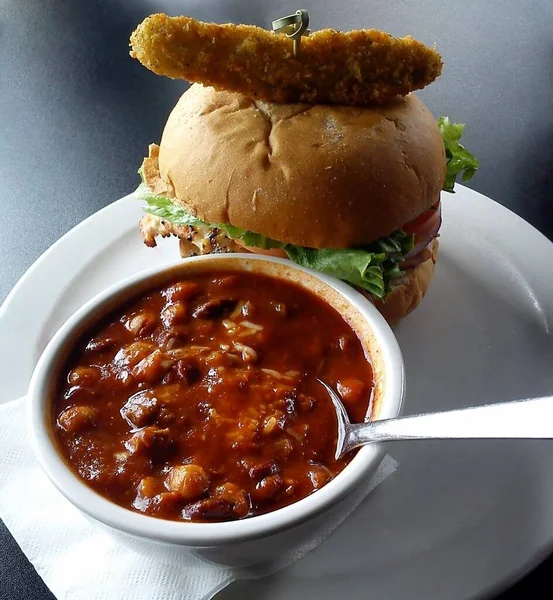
[(220, 533)]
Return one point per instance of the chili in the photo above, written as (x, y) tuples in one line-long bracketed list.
[(198, 400)]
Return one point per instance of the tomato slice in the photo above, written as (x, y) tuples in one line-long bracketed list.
[(425, 224)]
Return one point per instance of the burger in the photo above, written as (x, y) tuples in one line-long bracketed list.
[(350, 191)]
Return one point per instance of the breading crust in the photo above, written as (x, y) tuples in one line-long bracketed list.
[(353, 68)]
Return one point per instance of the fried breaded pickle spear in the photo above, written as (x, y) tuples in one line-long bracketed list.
[(354, 67)]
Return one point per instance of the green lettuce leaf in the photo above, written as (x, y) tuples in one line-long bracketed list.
[(459, 159), (357, 267), (368, 269)]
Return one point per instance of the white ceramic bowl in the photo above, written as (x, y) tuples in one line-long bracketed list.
[(256, 539)]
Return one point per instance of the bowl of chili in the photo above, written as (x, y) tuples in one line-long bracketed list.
[(182, 406)]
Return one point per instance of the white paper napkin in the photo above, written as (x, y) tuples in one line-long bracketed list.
[(80, 560)]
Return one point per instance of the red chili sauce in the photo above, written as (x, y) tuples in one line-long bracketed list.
[(198, 401)]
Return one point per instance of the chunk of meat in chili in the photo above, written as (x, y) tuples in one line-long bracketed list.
[(151, 441), (140, 409), (215, 308)]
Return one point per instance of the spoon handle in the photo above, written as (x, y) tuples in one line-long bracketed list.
[(520, 419)]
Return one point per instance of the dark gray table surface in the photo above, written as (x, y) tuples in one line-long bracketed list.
[(77, 115)]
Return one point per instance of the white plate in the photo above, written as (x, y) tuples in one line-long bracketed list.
[(458, 519)]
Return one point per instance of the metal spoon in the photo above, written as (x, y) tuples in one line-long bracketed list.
[(532, 418)]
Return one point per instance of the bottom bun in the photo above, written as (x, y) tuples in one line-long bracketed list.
[(406, 297)]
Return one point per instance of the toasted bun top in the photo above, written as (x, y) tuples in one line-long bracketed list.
[(317, 176)]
